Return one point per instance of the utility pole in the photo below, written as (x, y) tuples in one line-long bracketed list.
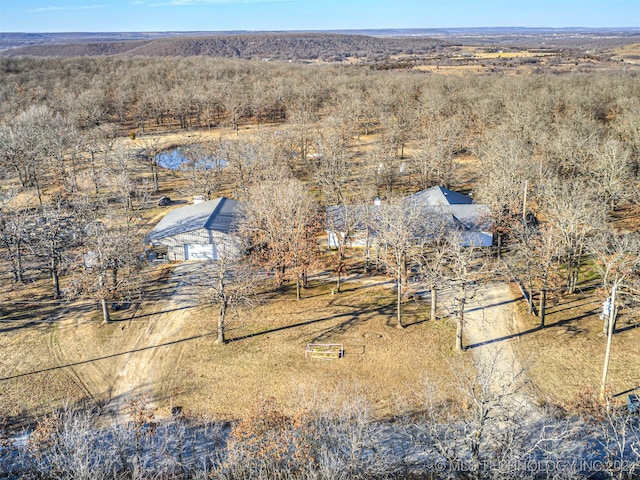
[(607, 355)]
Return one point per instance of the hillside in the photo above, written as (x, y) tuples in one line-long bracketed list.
[(283, 46)]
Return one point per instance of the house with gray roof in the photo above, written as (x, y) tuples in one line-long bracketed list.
[(439, 196), (459, 213), (202, 231), (453, 211)]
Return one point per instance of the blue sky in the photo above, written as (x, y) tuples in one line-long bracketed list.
[(215, 15)]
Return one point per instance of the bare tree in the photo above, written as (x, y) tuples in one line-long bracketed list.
[(402, 229), (27, 145), (112, 249), (506, 161), (461, 261), (236, 105), (573, 216), (484, 430), (89, 108), (618, 437), (618, 258), (333, 169), (120, 176), (15, 236), (250, 161), (151, 150), (533, 258), (346, 224), (55, 232), (204, 167), (282, 221), (627, 128), (434, 161), (383, 166), (611, 172), (229, 284), (98, 140), (398, 104), (433, 272), (302, 113), (63, 137)]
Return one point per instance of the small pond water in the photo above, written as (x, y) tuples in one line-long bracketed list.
[(171, 159), (174, 159)]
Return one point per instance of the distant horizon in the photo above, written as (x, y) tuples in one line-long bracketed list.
[(341, 30), (154, 16)]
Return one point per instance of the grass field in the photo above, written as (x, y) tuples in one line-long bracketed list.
[(265, 357), (27, 340), (266, 354), (629, 53), (566, 358)]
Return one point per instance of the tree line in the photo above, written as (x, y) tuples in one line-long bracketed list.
[(334, 435)]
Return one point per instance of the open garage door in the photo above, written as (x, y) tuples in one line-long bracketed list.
[(200, 252)]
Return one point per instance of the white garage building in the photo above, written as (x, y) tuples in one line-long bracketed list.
[(202, 231)]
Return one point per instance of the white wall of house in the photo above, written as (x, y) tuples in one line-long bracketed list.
[(359, 239), (477, 239), (200, 251), (201, 244), (469, 239)]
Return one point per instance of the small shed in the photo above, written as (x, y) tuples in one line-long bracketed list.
[(202, 231)]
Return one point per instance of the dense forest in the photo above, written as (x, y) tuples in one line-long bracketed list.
[(548, 135), (284, 46)]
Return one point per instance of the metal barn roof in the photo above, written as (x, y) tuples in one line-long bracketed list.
[(219, 214)]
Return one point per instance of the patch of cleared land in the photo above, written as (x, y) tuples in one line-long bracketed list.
[(628, 53), (566, 358)]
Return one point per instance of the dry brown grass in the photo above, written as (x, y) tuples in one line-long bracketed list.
[(479, 53), (567, 356), (478, 61), (628, 53), (265, 357), (55, 363), (27, 322)]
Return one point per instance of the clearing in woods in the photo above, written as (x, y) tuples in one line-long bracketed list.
[(126, 359), (165, 352), (164, 349)]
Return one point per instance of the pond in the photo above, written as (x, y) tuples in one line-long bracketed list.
[(174, 159), (171, 159)]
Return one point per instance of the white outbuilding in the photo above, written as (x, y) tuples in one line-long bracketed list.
[(202, 231)]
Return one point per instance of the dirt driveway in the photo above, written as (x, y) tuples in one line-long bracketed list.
[(136, 353), (489, 321), (150, 358)]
